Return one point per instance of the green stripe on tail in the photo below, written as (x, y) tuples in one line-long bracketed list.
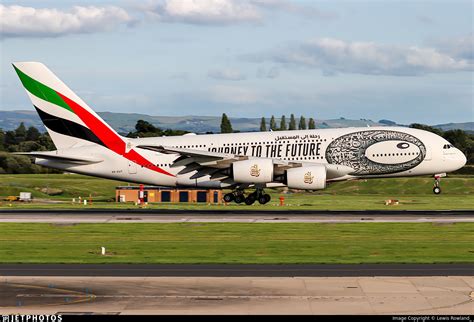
[(41, 91)]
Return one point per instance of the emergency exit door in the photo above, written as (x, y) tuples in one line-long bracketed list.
[(132, 167)]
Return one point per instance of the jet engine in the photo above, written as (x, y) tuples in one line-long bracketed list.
[(309, 177), (253, 171)]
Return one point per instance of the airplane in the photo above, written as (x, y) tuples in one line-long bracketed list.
[(303, 159)]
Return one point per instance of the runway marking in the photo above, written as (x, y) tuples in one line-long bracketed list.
[(71, 293)]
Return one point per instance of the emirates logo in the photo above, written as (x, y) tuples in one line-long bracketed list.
[(308, 178), (255, 171)]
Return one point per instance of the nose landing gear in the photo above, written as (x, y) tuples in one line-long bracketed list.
[(437, 188)]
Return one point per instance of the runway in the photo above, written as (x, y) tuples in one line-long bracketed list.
[(224, 216), (235, 289), (237, 295), (241, 270)]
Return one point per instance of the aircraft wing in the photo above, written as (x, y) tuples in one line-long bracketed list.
[(204, 162), (215, 164), (54, 156)]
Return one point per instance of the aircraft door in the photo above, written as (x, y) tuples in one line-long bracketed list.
[(132, 167), (428, 155)]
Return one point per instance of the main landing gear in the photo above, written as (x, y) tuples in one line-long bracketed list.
[(239, 197)]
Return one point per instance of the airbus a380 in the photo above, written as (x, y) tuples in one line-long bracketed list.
[(304, 159)]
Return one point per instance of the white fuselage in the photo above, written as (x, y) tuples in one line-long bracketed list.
[(371, 152)]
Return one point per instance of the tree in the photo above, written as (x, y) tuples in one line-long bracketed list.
[(283, 123), (226, 126), (311, 124), (32, 134), (146, 127), (273, 125), (426, 128), (2, 138), (9, 139), (45, 141), (302, 124), (20, 133), (292, 123), (263, 125)]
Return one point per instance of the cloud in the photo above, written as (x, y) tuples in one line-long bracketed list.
[(202, 12), (224, 12), (333, 56), (459, 48), (226, 74), (19, 21), (305, 10)]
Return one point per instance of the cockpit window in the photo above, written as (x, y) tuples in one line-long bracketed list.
[(448, 146)]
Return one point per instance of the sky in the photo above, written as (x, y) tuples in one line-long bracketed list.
[(407, 61)]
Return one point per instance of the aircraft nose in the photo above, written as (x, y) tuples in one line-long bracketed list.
[(462, 158), (458, 160)]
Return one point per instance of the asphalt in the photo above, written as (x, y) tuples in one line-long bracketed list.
[(230, 216), (247, 212), (201, 270)]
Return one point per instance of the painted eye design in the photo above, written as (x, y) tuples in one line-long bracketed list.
[(403, 145)]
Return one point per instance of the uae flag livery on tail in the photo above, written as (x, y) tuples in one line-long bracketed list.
[(68, 119)]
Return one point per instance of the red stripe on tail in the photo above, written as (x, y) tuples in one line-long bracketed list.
[(111, 139)]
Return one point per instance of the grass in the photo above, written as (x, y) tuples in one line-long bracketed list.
[(71, 185), (238, 243), (413, 193)]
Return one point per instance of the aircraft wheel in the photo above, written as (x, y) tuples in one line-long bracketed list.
[(263, 199), (239, 198), (267, 198), (250, 199), (436, 190), (229, 197)]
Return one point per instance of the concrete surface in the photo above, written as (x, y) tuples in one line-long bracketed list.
[(238, 295)]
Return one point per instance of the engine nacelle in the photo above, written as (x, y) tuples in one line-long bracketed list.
[(253, 171), (309, 178)]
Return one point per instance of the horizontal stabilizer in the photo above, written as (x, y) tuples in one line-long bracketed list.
[(54, 156)]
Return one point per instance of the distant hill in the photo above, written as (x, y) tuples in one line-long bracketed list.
[(467, 126), (125, 122), (9, 120)]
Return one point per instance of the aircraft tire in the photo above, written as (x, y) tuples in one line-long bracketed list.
[(436, 190), (267, 198), (250, 199), (229, 197), (239, 198)]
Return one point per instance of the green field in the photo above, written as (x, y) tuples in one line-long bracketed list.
[(238, 243), (413, 194)]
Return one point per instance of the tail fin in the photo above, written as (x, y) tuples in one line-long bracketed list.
[(68, 119)]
